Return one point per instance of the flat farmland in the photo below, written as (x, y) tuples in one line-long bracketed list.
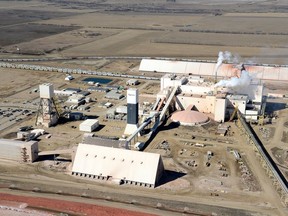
[(199, 29), (195, 36), (29, 32), (17, 15), (222, 39)]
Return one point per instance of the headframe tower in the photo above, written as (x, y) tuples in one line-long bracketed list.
[(47, 114)]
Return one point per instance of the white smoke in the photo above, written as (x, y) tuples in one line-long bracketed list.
[(226, 57), (235, 82)]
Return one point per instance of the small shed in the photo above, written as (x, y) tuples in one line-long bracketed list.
[(75, 116), (89, 125), (83, 107), (69, 77), (132, 82), (222, 129)]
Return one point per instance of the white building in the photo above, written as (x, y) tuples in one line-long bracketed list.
[(114, 95), (104, 163), (62, 93), (76, 99), (132, 82), (69, 78), (261, 72), (122, 109), (89, 125), (18, 150), (217, 101)]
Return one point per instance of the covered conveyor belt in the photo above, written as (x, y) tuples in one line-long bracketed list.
[(158, 118), (171, 96), (55, 152)]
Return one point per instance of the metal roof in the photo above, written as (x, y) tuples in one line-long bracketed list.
[(72, 89), (84, 93), (94, 88), (163, 66), (91, 140), (208, 69), (118, 163), (114, 95), (16, 143), (89, 122)]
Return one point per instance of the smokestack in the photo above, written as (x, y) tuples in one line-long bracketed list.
[(132, 111), (242, 68)]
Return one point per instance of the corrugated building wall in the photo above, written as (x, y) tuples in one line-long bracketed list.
[(262, 72), (18, 150)]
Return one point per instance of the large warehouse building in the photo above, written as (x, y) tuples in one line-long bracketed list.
[(262, 72), (18, 150), (104, 163)]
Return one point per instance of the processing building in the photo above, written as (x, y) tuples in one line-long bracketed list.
[(198, 97), (104, 163), (18, 150)]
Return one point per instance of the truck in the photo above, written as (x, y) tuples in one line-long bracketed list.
[(139, 146)]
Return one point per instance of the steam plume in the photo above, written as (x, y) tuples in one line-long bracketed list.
[(235, 82), (224, 56)]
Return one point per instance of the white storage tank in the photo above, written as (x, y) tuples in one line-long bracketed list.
[(89, 125)]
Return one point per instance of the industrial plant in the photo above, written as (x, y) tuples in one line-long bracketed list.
[(136, 133), (215, 100), (132, 107)]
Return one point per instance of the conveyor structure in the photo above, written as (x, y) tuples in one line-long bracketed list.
[(279, 181)]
